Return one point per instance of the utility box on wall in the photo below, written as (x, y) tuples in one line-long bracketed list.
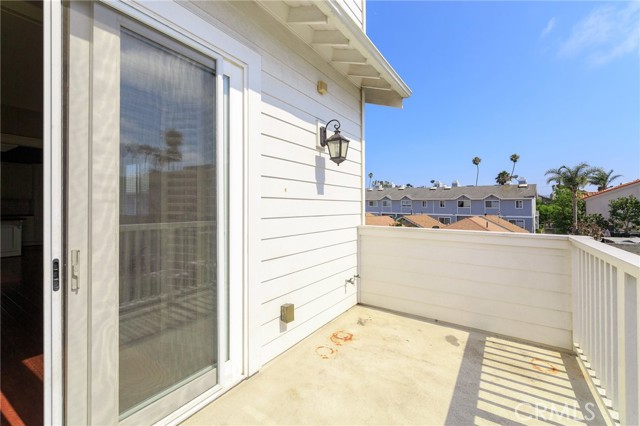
[(286, 313)]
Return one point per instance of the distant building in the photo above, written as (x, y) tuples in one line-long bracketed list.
[(449, 204), (420, 221), (598, 202), (372, 219), (486, 223)]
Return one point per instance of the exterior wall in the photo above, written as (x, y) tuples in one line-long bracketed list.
[(600, 203), (355, 9), (310, 208), (513, 284)]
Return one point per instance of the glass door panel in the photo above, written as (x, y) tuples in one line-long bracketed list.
[(167, 221)]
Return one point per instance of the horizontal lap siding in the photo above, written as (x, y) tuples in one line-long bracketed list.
[(310, 207), (504, 285), (355, 10)]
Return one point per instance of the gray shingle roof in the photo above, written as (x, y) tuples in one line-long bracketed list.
[(504, 192)]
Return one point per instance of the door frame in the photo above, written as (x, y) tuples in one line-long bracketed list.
[(53, 293), (198, 33)]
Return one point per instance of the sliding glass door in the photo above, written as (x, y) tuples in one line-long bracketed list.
[(167, 220), (149, 241)]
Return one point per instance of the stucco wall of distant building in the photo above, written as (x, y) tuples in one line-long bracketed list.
[(599, 203)]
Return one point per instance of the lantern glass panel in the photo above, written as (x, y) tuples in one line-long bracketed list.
[(334, 148), (345, 147)]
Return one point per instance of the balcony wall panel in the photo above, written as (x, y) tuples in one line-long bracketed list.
[(516, 285)]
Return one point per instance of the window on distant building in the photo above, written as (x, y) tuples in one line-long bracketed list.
[(386, 203), (372, 203), (519, 204), (492, 204), (464, 203), (443, 204), (424, 204), (445, 220), (406, 203), (518, 222)]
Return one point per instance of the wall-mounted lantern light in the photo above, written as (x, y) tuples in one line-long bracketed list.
[(337, 144)]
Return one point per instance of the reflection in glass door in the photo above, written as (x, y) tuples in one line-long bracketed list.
[(167, 258)]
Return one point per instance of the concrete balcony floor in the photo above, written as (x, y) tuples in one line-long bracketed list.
[(370, 366)]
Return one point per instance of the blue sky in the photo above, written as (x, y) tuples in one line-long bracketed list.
[(556, 82)]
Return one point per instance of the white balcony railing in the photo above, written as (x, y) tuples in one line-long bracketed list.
[(606, 320), (550, 289)]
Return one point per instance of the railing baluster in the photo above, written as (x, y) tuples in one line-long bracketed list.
[(600, 364), (631, 415), (614, 389), (608, 343)]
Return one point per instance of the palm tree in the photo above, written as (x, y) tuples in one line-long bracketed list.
[(572, 178), (514, 159), (503, 177), (602, 179), (476, 161), (370, 177)]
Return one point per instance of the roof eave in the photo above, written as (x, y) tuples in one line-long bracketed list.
[(379, 82)]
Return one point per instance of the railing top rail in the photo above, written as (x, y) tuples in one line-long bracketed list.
[(629, 262), (521, 239)]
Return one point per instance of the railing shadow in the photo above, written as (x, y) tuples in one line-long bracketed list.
[(512, 383)]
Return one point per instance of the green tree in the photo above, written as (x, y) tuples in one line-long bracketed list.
[(476, 161), (573, 178), (514, 159), (370, 177), (624, 213), (503, 177), (602, 179), (558, 214)]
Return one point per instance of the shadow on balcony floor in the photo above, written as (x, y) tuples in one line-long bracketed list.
[(370, 366)]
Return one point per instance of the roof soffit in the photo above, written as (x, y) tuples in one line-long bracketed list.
[(328, 30)]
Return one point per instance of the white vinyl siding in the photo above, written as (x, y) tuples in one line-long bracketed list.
[(355, 10), (519, 204), (308, 224)]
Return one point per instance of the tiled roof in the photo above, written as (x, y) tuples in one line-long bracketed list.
[(379, 220), (615, 188), (505, 223), (422, 220), (503, 192), (485, 223)]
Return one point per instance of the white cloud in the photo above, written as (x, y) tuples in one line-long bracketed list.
[(606, 33), (550, 26)]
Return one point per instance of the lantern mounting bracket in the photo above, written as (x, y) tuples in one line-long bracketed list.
[(323, 131)]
